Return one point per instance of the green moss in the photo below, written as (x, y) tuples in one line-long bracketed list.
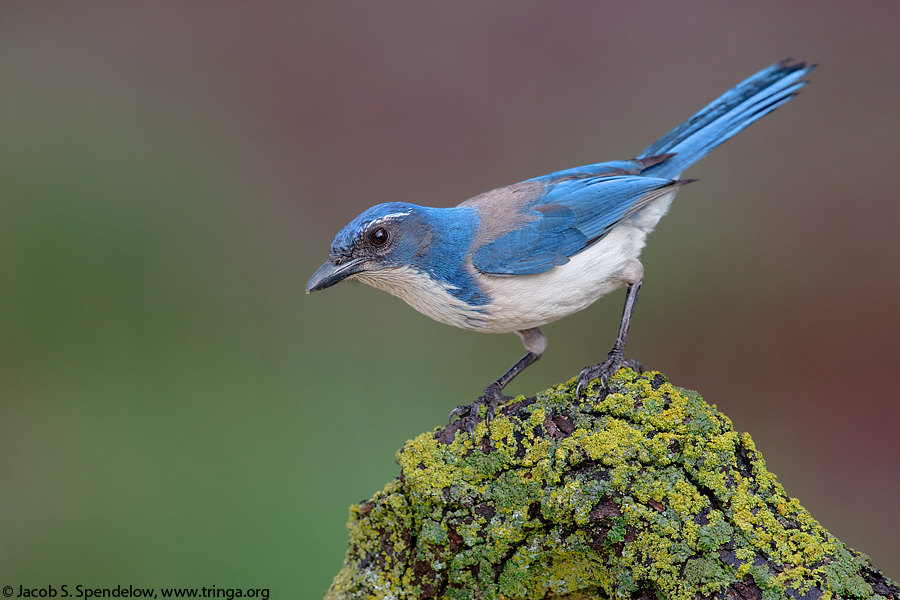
[(643, 488)]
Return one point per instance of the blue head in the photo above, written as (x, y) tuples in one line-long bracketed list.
[(407, 250), (384, 237)]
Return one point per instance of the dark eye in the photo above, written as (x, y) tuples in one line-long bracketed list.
[(378, 237)]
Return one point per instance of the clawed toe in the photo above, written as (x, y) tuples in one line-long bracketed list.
[(587, 375), (463, 410), (603, 372), (468, 414), (634, 365)]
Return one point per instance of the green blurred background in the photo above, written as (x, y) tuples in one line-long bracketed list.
[(175, 411)]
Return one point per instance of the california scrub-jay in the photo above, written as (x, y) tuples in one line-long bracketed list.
[(517, 257)]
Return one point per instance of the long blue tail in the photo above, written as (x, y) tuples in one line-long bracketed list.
[(743, 104)]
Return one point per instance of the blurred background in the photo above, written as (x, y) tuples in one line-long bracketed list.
[(174, 410)]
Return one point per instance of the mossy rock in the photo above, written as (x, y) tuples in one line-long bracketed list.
[(640, 490)]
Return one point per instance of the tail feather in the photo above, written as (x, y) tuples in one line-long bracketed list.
[(734, 110)]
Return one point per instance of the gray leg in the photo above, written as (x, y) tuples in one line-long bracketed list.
[(616, 356), (535, 342)]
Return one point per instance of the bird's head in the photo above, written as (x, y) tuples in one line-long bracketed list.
[(384, 237)]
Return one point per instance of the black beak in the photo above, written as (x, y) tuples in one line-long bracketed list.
[(331, 273)]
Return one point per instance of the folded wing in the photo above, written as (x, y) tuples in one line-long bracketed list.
[(568, 217)]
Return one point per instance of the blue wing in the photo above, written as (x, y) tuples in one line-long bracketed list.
[(569, 216), (578, 206)]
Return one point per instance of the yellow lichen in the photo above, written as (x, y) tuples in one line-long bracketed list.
[(640, 488)]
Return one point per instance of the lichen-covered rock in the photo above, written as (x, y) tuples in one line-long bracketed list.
[(641, 490)]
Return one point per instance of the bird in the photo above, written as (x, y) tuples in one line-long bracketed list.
[(515, 258)]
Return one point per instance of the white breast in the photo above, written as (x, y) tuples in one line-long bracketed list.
[(424, 294)]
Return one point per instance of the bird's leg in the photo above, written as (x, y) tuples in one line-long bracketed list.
[(493, 395), (616, 357), (535, 343)]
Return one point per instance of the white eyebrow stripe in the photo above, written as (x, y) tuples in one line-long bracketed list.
[(391, 216)]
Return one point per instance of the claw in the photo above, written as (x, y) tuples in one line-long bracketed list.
[(604, 371), (634, 365), (469, 414), (582, 386), (459, 411)]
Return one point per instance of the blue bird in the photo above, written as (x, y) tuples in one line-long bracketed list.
[(518, 257)]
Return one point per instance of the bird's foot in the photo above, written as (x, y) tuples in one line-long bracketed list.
[(604, 371), (468, 414)]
